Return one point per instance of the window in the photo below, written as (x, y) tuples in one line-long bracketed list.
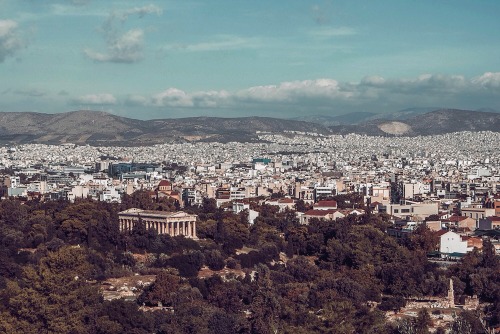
[(396, 210), (405, 210)]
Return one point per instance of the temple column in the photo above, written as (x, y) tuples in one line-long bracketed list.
[(194, 230)]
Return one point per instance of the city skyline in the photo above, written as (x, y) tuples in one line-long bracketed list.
[(158, 59)]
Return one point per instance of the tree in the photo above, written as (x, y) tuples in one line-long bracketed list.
[(119, 316), (214, 259), (223, 323), (188, 264), (423, 239), (163, 290), (54, 296), (467, 322), (423, 321)]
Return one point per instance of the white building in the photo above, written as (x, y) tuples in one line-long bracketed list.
[(451, 242)]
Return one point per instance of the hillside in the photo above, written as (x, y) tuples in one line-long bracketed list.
[(430, 123), (101, 128), (351, 118)]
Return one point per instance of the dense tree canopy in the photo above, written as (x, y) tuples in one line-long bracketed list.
[(323, 277)]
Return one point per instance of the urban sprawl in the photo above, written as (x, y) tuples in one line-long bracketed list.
[(451, 182)]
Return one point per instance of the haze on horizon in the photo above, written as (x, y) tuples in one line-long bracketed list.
[(162, 59)]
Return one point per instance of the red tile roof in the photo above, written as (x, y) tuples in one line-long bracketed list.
[(164, 183), (285, 200), (441, 232), (456, 218), (326, 204)]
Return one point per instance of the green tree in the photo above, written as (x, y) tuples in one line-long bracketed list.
[(54, 297)]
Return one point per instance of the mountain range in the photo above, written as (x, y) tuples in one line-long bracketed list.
[(101, 128), (429, 123)]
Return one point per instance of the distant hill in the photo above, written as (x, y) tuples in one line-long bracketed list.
[(487, 110), (434, 122), (361, 117), (101, 128), (351, 118), (405, 114)]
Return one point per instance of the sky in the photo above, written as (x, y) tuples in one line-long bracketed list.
[(234, 58)]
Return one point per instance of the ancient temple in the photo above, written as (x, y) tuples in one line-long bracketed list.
[(171, 223)]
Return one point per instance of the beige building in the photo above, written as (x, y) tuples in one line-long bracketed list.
[(381, 194), (413, 209), (320, 214), (477, 212), (171, 223)]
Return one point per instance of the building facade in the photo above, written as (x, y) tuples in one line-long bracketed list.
[(171, 223)]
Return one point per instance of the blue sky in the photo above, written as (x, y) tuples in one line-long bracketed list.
[(160, 59)]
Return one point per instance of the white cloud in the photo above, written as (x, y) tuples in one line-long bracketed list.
[(218, 43), (374, 80), (10, 41), (139, 11), (172, 97), (488, 80), (211, 99), (295, 90), (96, 99), (122, 46), (126, 48), (136, 100), (373, 93)]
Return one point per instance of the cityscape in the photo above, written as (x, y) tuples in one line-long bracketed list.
[(445, 184), (236, 167)]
